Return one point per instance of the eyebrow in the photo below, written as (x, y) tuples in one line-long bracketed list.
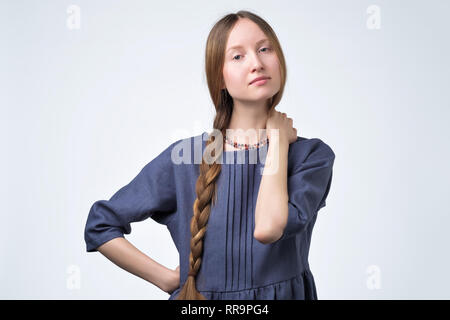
[(239, 46)]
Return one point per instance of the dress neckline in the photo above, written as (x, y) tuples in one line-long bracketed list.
[(242, 156)]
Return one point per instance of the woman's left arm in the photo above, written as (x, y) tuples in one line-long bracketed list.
[(271, 212)]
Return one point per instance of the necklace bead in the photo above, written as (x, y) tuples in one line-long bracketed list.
[(245, 146)]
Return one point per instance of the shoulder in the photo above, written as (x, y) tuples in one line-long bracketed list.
[(304, 149), (164, 157), (189, 141), (181, 144), (186, 150)]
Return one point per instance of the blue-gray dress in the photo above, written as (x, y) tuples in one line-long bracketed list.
[(235, 266)]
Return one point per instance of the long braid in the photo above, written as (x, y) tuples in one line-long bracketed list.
[(206, 191)]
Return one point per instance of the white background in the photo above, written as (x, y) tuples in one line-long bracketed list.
[(83, 110)]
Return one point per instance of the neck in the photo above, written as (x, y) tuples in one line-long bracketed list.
[(248, 123)]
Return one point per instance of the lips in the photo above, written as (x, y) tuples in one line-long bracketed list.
[(259, 78)]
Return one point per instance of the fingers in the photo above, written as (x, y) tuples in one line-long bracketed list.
[(284, 116)]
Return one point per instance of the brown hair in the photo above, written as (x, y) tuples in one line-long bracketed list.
[(206, 183)]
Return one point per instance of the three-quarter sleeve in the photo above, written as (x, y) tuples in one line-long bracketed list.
[(308, 187), (150, 194)]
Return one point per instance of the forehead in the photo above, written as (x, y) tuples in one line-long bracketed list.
[(245, 32)]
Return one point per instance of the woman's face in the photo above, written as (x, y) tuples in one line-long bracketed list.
[(249, 61)]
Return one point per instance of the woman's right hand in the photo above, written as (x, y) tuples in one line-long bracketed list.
[(174, 281)]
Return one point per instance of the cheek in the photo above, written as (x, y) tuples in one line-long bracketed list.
[(227, 74), (233, 75), (274, 65)]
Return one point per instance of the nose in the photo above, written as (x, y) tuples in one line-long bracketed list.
[(256, 62)]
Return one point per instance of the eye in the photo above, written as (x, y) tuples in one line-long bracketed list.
[(268, 49)]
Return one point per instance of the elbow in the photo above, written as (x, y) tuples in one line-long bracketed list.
[(271, 233), (268, 236)]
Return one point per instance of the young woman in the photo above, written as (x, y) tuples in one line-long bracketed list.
[(242, 223)]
